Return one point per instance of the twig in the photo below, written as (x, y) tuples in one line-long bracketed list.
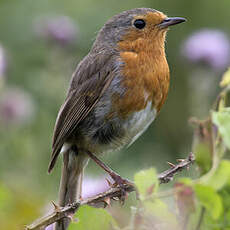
[(56, 215), (68, 211), (113, 193), (168, 175)]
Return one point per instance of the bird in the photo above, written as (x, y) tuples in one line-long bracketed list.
[(115, 93)]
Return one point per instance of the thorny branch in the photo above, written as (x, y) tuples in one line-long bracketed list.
[(167, 175), (114, 193)]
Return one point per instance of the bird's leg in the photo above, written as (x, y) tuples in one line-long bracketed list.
[(119, 181)]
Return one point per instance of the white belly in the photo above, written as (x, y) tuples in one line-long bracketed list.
[(133, 127), (139, 122)]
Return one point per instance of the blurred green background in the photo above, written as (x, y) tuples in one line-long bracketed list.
[(41, 43)]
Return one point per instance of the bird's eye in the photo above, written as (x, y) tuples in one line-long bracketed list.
[(139, 23)]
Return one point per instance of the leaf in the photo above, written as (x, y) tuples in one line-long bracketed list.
[(225, 194), (222, 120), (210, 199), (225, 79), (203, 157), (146, 181), (89, 218), (159, 209), (186, 181), (202, 144), (221, 176), (185, 199)]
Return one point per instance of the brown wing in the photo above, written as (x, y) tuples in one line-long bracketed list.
[(88, 84)]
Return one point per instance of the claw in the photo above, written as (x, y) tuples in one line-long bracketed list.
[(123, 197)]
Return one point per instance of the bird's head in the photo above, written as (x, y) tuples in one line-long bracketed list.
[(136, 24)]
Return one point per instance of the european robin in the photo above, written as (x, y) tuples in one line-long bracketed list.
[(115, 93)]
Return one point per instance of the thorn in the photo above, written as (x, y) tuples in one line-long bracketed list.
[(109, 183), (123, 197), (107, 201), (56, 207), (114, 185), (180, 160), (171, 164)]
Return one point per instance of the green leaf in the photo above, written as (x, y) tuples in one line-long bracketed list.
[(146, 182), (225, 194), (209, 199), (159, 209), (222, 120), (89, 218), (186, 181), (221, 176), (203, 157)]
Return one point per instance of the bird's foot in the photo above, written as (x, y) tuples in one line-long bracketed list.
[(123, 184), (119, 181)]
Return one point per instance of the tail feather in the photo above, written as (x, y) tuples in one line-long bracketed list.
[(71, 182)]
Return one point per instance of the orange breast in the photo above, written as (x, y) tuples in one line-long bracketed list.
[(145, 76)]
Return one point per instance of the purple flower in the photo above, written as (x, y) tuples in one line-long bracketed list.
[(16, 106), (60, 29), (208, 46), (93, 186)]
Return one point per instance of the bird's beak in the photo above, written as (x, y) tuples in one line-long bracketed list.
[(170, 22)]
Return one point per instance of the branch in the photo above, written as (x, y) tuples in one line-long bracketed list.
[(168, 175), (115, 193), (56, 215)]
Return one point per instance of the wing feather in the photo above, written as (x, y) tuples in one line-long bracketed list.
[(76, 106)]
